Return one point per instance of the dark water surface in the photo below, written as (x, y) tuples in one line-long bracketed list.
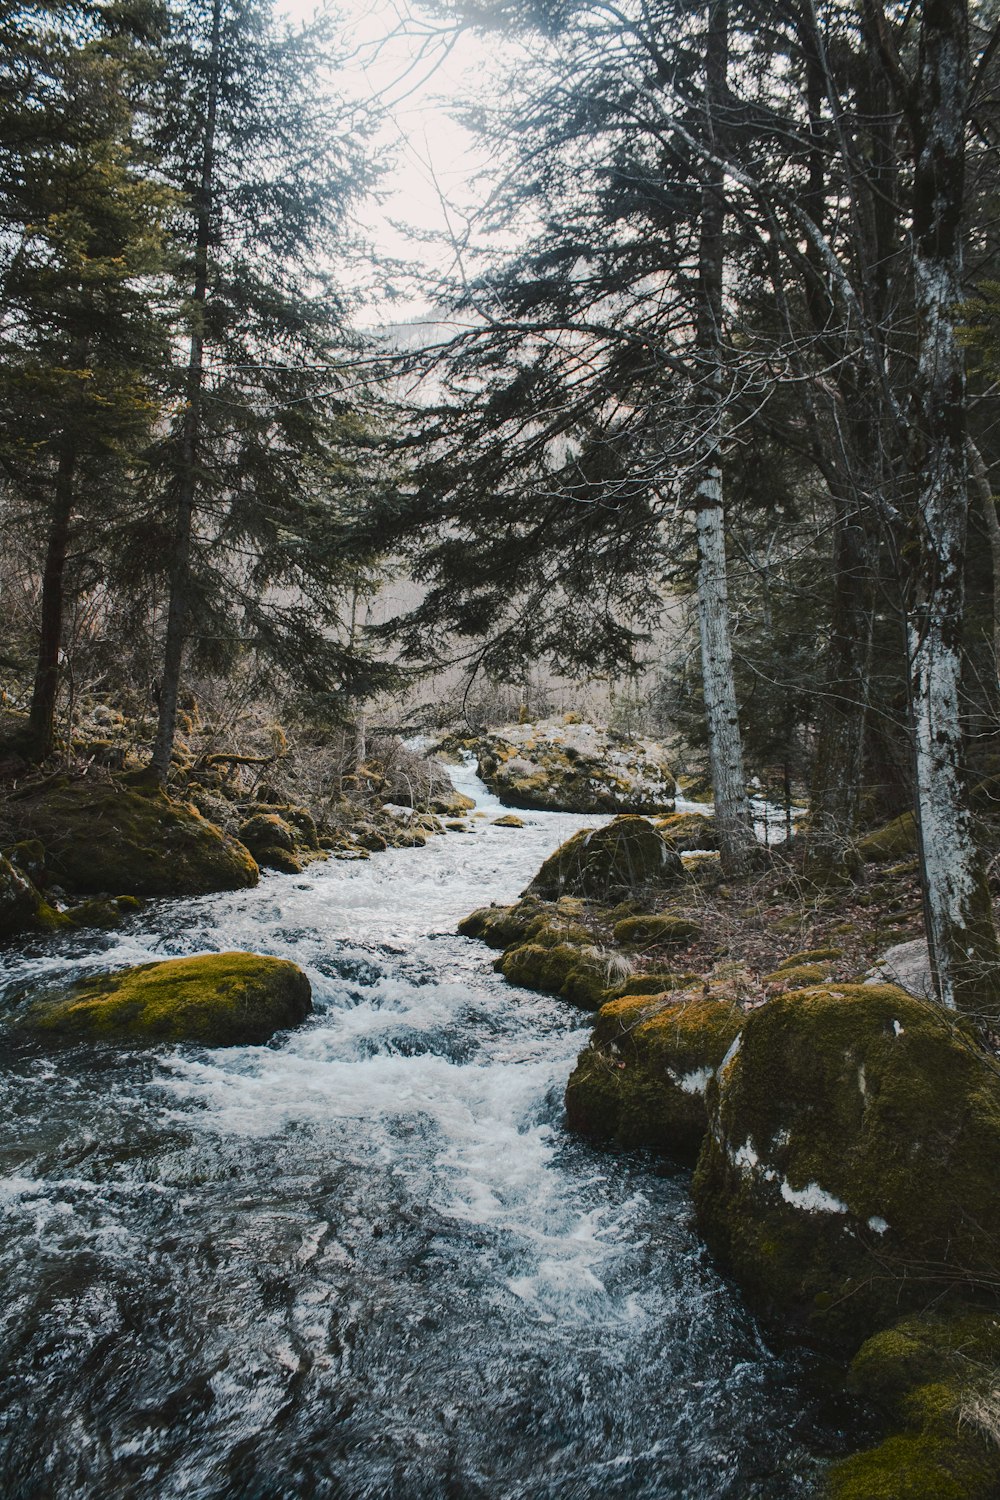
[(365, 1261)]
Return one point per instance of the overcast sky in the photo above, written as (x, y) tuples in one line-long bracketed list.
[(398, 54)]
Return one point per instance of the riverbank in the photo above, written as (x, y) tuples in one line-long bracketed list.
[(367, 1258)]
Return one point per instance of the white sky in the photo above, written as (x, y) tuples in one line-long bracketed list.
[(419, 69)]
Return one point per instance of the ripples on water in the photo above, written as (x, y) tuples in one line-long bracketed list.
[(363, 1261)]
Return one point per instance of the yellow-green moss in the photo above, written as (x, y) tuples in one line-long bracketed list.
[(893, 841), (626, 857), (858, 1130), (221, 999), (577, 974), (689, 831), (642, 1081), (798, 976), (924, 1374), (502, 926), (509, 820), (664, 931), (656, 983), (101, 837)]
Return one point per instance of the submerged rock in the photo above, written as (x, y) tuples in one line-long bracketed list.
[(850, 1169), (220, 999), (628, 857), (644, 1077), (99, 837), (564, 766)]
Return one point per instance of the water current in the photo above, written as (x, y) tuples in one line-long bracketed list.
[(366, 1260)]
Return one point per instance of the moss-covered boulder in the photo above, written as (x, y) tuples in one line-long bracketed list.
[(851, 1168), (893, 841), (643, 1079), (689, 831), (100, 836), (272, 842), (509, 820), (937, 1382), (502, 926), (220, 999), (565, 765), (576, 974), (666, 930), (798, 976), (627, 857)]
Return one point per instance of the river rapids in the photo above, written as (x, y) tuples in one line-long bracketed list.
[(366, 1260)]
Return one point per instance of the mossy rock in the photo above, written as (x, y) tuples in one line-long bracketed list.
[(627, 857), (643, 1079), (810, 956), (451, 806), (509, 820), (107, 914), (935, 1381), (664, 931), (285, 861), (689, 831), (576, 974), (798, 976), (99, 837), (851, 1169), (299, 820), (893, 841), (220, 999), (502, 926), (29, 857), (657, 983), (266, 831), (570, 767)]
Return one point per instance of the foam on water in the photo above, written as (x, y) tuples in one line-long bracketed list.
[(365, 1260)]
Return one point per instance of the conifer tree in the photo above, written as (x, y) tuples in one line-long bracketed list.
[(83, 241)]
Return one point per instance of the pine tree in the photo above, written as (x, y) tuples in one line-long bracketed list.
[(82, 343), (266, 457)]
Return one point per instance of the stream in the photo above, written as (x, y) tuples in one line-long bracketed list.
[(365, 1260)]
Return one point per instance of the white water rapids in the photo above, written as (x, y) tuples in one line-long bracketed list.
[(366, 1260)]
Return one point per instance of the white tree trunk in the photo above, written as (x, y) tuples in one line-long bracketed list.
[(733, 814), (960, 930)]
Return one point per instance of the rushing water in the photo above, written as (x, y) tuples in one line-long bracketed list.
[(366, 1260)]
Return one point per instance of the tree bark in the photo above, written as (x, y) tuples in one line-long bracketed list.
[(960, 930), (41, 718), (180, 556), (733, 814)]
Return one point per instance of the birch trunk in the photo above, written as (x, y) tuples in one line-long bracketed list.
[(180, 558), (960, 931), (733, 814)]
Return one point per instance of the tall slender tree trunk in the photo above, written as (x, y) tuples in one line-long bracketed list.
[(180, 557), (733, 814), (960, 929), (41, 718)]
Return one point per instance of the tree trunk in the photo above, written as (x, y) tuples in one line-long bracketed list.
[(41, 719), (180, 556), (960, 931), (733, 814)]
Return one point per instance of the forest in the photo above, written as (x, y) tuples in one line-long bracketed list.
[(637, 579)]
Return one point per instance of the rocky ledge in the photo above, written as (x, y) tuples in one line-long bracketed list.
[(563, 765)]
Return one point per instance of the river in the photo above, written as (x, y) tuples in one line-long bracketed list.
[(366, 1260)]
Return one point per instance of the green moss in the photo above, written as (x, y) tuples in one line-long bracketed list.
[(107, 914), (665, 931), (689, 831), (798, 976), (642, 1081), (502, 926), (221, 999), (100, 836), (509, 820), (893, 841), (657, 983), (810, 956), (575, 974), (858, 1129), (626, 857), (914, 1467)]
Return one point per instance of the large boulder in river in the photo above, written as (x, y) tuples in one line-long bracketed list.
[(219, 999), (643, 1079), (100, 836), (562, 766), (852, 1165), (625, 859), (20, 902)]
